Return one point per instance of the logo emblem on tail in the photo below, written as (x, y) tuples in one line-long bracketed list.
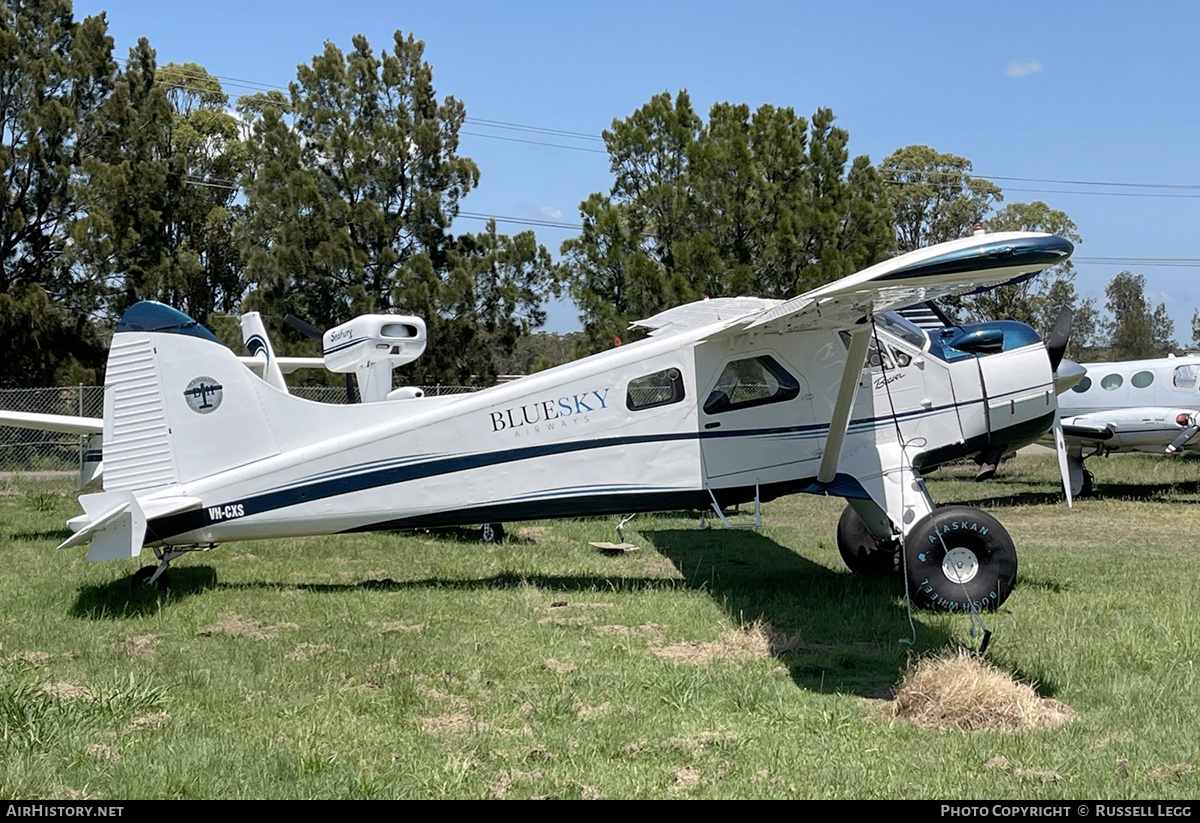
[(203, 395)]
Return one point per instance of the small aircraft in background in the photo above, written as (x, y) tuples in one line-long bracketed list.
[(727, 401), (1133, 406)]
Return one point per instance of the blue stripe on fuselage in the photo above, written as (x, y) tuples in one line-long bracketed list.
[(353, 479)]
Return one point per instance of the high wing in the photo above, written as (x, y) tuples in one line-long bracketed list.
[(980, 261), (52, 422)]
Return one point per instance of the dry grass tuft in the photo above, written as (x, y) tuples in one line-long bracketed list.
[(957, 690), (390, 626), (103, 751), (1169, 774), (699, 743), (307, 651), (558, 667), (35, 658), (237, 625), (752, 641), (64, 690), (456, 723), (644, 630), (154, 720), (685, 778), (138, 647)]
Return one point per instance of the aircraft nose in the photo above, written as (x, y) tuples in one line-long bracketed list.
[(1067, 375)]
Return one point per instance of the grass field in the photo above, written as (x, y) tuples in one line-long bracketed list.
[(707, 664)]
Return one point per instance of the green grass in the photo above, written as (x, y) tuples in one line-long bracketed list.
[(429, 665)]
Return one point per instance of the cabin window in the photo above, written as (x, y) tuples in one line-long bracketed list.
[(751, 382), (1185, 377), (662, 388), (1083, 385), (1111, 382), (1142, 379), (875, 358)]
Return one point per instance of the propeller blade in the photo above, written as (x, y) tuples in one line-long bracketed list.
[(1182, 440), (1060, 336), (304, 327), (1060, 445)]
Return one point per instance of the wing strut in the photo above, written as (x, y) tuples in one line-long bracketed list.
[(839, 423)]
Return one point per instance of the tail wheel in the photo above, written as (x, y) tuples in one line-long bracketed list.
[(141, 579), (959, 557), (492, 532), (861, 551)]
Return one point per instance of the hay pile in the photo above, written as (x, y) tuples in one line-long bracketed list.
[(958, 690)]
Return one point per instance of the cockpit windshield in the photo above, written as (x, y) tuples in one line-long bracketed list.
[(905, 329)]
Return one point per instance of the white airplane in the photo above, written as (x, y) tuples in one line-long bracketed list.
[(726, 401), (1138, 405)]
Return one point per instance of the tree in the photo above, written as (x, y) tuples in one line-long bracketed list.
[(1134, 331), (54, 75), (746, 203), (353, 188), (934, 197), (1038, 300), (160, 192)]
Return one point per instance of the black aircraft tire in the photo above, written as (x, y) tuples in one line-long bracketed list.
[(492, 532), (968, 543), (861, 551), (141, 579)]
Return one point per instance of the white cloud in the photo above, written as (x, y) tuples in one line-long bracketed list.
[(549, 213), (1020, 68)]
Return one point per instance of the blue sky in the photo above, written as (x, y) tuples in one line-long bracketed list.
[(1071, 91)]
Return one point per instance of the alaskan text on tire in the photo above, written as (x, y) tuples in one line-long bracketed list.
[(958, 558)]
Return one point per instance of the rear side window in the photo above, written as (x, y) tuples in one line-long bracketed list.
[(662, 388), (1185, 377), (754, 381)]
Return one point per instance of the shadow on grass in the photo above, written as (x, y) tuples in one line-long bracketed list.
[(121, 598), (992, 494), (58, 535), (845, 628)]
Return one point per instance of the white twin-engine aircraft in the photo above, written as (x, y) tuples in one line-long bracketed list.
[(1137, 405), (726, 401)]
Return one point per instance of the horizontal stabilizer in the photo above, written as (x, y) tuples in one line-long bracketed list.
[(114, 523)]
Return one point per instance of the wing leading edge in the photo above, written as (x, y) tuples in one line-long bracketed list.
[(970, 264)]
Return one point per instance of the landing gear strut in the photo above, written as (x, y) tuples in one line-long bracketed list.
[(157, 577)]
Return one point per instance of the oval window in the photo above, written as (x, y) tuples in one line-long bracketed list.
[(1083, 385), (1142, 379), (1111, 381)]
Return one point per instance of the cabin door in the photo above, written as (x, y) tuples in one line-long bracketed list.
[(756, 419)]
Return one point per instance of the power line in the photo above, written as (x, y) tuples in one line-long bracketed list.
[(1186, 262), (578, 135), (532, 142)]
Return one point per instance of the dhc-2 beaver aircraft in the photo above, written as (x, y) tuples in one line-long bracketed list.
[(726, 401), (1137, 405)]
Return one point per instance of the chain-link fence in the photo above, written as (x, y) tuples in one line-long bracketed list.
[(52, 460)]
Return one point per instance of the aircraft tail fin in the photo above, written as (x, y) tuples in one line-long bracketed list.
[(178, 405)]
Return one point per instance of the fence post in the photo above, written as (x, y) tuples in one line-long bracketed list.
[(83, 437)]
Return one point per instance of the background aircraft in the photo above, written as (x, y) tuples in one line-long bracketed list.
[(726, 401), (1138, 405)]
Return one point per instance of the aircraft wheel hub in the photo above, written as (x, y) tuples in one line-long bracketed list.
[(960, 565)]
